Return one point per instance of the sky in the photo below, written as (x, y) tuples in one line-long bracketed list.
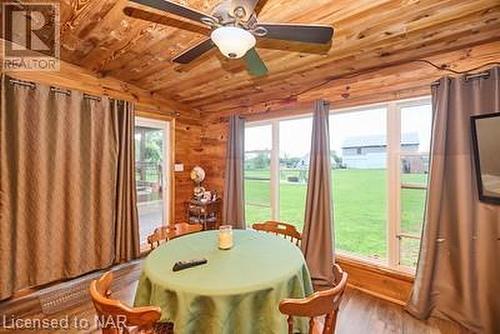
[(295, 134)]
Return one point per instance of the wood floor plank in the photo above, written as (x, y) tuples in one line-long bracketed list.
[(359, 313)]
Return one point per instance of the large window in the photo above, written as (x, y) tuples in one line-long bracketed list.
[(380, 179), (152, 174), (380, 161), (276, 168), (258, 144), (358, 142), (294, 147)]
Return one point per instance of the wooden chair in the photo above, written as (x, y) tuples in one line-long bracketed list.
[(279, 228), (169, 232), (115, 317), (321, 303), (157, 237)]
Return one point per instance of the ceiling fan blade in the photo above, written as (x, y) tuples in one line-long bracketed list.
[(255, 65), (194, 52), (305, 33), (259, 6), (146, 15), (176, 9)]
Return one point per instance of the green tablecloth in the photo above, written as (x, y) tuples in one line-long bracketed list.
[(238, 291)]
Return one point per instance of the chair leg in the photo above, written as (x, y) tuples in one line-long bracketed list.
[(311, 325), (330, 321), (289, 320)]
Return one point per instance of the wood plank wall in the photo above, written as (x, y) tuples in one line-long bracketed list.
[(391, 83), (201, 139), (187, 152), (187, 121)]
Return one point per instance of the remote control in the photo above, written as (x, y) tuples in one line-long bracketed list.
[(181, 265)]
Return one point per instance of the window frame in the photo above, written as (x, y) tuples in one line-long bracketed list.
[(274, 182), (396, 233), (394, 182), (165, 126)]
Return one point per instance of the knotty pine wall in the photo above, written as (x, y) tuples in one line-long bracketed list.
[(201, 138), (407, 80), (384, 84), (187, 152)]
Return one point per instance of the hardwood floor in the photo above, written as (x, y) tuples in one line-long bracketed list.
[(359, 313)]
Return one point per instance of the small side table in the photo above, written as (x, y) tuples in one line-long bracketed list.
[(206, 213)]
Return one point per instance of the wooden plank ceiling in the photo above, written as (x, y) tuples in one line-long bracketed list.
[(369, 34)]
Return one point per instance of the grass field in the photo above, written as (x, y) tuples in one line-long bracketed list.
[(360, 208)]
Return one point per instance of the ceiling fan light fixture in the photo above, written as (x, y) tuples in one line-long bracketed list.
[(233, 42)]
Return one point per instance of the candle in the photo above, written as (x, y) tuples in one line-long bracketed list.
[(225, 237)]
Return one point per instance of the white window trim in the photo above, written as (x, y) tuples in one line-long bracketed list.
[(393, 183), (275, 171), (165, 126), (393, 171)]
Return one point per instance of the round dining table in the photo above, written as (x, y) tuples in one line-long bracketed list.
[(236, 291)]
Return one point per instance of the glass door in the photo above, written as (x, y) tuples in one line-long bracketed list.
[(152, 174)]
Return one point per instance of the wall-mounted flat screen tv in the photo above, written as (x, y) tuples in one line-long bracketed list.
[(486, 147)]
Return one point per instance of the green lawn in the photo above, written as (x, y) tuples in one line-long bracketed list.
[(360, 208)]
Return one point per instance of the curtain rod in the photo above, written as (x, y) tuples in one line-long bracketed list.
[(53, 89), (482, 75), (60, 91), (29, 84), (32, 85), (93, 97)]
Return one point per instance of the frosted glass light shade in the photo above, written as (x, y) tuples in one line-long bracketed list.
[(233, 42)]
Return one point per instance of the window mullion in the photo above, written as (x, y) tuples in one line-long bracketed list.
[(413, 186), (394, 188), (275, 172)]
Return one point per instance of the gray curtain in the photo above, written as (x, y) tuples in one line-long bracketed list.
[(317, 238), (234, 191), (126, 229), (458, 274), (59, 176)]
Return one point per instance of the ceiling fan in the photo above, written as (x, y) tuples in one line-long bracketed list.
[(234, 28)]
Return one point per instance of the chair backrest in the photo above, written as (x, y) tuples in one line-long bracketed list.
[(114, 317), (322, 303), (180, 229), (169, 232), (280, 228), (157, 237)]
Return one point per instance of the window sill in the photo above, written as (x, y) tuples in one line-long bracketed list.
[(377, 279), (402, 272)]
